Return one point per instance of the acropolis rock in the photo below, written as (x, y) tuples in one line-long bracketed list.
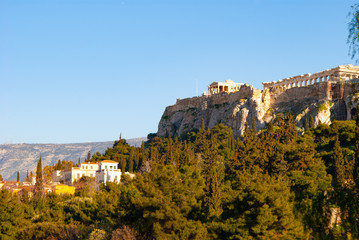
[(328, 95)]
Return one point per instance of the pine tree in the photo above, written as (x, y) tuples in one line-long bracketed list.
[(39, 185)]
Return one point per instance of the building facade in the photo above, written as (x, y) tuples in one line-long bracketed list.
[(108, 172), (102, 172)]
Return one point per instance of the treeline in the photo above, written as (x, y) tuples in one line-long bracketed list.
[(273, 184)]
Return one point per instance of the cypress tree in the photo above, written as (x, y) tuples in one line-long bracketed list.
[(254, 126), (1, 179), (88, 157), (306, 125), (356, 151), (131, 160), (137, 159), (58, 165), (287, 130), (202, 125), (169, 159), (270, 128), (18, 176), (213, 170), (339, 165), (142, 152), (311, 122), (39, 185), (123, 164), (27, 176)]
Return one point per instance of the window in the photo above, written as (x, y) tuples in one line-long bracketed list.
[(87, 167), (106, 166), (114, 167), (110, 167), (91, 167), (78, 175), (91, 175)]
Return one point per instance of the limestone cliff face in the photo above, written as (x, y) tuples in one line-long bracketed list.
[(324, 101)]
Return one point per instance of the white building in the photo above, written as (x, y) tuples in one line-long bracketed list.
[(108, 172), (104, 171), (71, 175), (57, 176)]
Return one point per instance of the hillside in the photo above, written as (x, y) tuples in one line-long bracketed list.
[(22, 157)]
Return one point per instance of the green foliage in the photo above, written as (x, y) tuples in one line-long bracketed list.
[(164, 203), (275, 184), (14, 215), (323, 107), (353, 36), (50, 230)]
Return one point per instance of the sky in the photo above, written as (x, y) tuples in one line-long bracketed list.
[(92, 70)]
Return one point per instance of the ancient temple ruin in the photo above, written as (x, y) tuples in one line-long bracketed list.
[(339, 74), (228, 86)]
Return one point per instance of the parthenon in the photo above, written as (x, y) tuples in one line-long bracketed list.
[(338, 74)]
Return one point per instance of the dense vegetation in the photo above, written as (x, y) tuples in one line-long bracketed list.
[(275, 184)]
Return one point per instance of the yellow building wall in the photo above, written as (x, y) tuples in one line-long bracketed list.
[(64, 189), (15, 191)]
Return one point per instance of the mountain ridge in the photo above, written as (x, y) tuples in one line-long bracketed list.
[(24, 156)]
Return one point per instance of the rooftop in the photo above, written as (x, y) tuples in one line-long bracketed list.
[(108, 161)]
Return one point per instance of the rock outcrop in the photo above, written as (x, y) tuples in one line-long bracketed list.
[(325, 101)]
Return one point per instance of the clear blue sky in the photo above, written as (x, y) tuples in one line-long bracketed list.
[(88, 70)]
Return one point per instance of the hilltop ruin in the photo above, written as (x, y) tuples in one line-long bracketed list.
[(328, 95)]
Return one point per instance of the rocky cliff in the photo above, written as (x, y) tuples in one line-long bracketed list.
[(325, 101)]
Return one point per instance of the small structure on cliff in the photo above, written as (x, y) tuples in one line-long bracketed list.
[(228, 86), (338, 74)]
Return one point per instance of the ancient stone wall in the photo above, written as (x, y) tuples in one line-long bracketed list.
[(340, 73)]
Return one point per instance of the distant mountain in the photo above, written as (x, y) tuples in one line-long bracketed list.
[(22, 157)]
